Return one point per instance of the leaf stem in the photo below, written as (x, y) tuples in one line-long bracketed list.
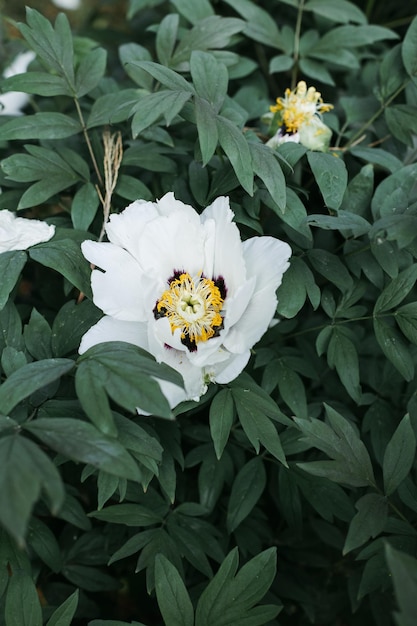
[(297, 34), (87, 140), (375, 116)]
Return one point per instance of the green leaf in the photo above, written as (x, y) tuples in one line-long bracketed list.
[(260, 25), (37, 334), (172, 596), (210, 33), (26, 470), (210, 78), (229, 600), (90, 71), (11, 265), (266, 165), (40, 126), (65, 256), (406, 318), (162, 103), (256, 424), (340, 441), (247, 488), (63, 615), (368, 522), (54, 46), (206, 120), (70, 324), (166, 76), (82, 442), (128, 514), (236, 148), (221, 419), (331, 267), (124, 372), (394, 348), (341, 11), (403, 569), (399, 456), (343, 221), (42, 540), (397, 290), (193, 11), (342, 355), (29, 378), (297, 283), (39, 83), (331, 176), (23, 607), (84, 206), (409, 50)]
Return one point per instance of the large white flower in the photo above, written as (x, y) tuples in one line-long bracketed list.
[(19, 233), (184, 287), (12, 102)]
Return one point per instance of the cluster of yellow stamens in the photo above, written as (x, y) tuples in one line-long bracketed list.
[(193, 306), (299, 106)]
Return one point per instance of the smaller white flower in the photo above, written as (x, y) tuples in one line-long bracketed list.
[(297, 117), (68, 5), (20, 233), (12, 102)]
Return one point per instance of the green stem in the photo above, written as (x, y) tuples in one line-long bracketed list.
[(87, 140), (375, 116), (297, 34)]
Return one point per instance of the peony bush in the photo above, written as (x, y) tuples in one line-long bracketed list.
[(208, 313)]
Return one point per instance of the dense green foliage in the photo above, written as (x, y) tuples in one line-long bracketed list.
[(288, 496)]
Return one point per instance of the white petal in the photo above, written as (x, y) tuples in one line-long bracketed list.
[(110, 329), (20, 233), (223, 373), (172, 243), (266, 259), (223, 250), (12, 102), (125, 229), (121, 291)]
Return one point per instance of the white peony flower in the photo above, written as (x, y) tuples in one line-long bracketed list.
[(12, 102), (19, 233), (184, 287)]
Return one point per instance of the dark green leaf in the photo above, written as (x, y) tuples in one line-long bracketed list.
[(221, 419), (174, 81), (26, 470), (342, 11), (342, 355), (409, 50), (394, 348), (128, 514), (206, 120), (84, 206), (90, 71), (37, 334), (63, 615), (29, 378), (266, 165), (82, 442), (331, 176), (368, 522), (40, 126), (23, 607), (399, 455), (397, 290), (173, 599), (41, 538), (210, 78), (260, 25), (403, 569), (247, 488), (11, 265), (65, 257), (236, 148), (40, 83)]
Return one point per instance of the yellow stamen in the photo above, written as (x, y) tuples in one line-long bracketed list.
[(193, 306), (299, 106)]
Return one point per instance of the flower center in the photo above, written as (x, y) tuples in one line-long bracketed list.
[(299, 106), (192, 305)]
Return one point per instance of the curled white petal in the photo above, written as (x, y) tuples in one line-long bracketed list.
[(20, 233)]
